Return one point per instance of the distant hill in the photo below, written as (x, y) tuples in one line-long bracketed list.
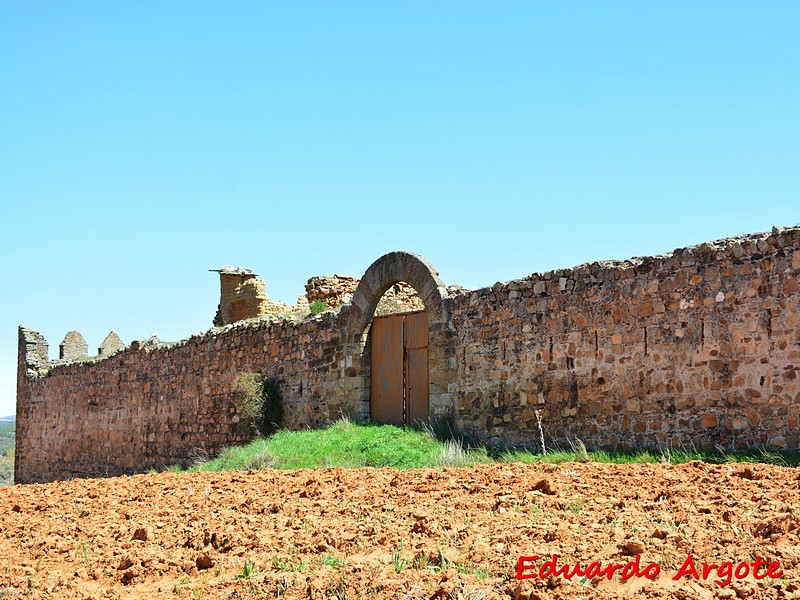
[(9, 418)]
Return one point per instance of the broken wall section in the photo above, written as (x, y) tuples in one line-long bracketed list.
[(337, 290), (243, 296)]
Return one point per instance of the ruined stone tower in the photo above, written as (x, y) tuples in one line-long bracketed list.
[(243, 296)]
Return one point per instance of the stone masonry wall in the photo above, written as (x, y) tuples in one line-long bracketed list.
[(695, 348), (148, 408)]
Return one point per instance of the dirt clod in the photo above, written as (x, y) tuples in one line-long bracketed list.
[(544, 486), (204, 561), (633, 547)]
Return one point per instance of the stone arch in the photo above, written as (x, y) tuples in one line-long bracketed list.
[(423, 277)]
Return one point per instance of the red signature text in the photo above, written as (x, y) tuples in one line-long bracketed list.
[(722, 573)]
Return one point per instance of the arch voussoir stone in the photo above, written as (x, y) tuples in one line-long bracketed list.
[(395, 267)]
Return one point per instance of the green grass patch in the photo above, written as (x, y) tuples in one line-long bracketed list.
[(354, 445), (346, 444), (564, 456), (783, 458)]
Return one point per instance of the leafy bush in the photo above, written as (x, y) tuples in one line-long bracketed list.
[(258, 403), (318, 307)]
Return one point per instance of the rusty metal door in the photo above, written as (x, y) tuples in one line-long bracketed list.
[(399, 368), (386, 373), (415, 342)]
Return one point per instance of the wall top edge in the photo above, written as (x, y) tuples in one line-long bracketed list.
[(780, 238)]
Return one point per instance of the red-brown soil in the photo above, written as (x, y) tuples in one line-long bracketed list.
[(334, 533)]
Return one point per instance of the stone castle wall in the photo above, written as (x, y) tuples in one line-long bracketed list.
[(692, 349), (151, 407), (696, 348)]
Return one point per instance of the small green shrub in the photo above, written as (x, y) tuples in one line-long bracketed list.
[(332, 561), (258, 403), (398, 562), (248, 570), (318, 307)]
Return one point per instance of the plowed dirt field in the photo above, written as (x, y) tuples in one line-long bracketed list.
[(380, 533)]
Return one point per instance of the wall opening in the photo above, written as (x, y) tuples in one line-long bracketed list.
[(398, 347), (400, 297), (408, 273)]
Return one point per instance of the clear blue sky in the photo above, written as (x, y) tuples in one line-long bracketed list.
[(143, 143)]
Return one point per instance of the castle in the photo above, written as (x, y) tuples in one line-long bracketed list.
[(696, 348)]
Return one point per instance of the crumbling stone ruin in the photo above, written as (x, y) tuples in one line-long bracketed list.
[(73, 347), (695, 348), (110, 345), (337, 290), (243, 296), (331, 290), (33, 348)]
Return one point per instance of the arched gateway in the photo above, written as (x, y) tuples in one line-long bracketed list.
[(400, 356)]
